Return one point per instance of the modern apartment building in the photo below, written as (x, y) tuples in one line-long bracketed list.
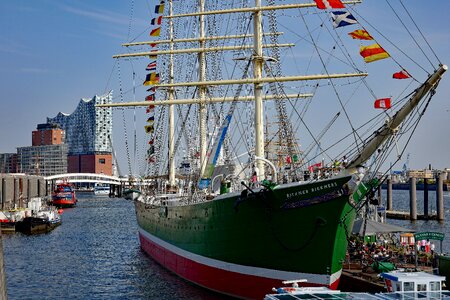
[(44, 160), (48, 153), (8, 163)]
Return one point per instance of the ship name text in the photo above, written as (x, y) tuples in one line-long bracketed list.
[(312, 190)]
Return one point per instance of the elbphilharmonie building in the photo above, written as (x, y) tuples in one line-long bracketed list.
[(88, 135)]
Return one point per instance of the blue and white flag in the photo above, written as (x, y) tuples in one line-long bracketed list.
[(342, 18)]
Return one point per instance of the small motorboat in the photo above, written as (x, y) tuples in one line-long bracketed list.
[(39, 219), (64, 195)]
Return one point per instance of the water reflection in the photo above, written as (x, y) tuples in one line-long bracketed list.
[(94, 254)]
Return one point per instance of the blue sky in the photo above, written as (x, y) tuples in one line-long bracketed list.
[(53, 53)]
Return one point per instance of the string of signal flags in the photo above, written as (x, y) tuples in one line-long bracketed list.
[(151, 80), (370, 53)]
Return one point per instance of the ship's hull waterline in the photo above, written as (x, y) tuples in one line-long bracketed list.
[(245, 245)]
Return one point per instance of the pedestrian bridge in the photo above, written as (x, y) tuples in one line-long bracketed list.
[(87, 178)]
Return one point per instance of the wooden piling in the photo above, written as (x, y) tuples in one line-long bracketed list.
[(440, 196), (389, 194), (412, 199)]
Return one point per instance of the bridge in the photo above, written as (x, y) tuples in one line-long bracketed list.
[(87, 178)]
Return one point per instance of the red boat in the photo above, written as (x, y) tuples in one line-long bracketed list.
[(64, 196)]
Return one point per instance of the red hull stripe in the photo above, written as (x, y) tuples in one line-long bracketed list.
[(228, 278)]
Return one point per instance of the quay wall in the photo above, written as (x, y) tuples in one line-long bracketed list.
[(17, 189)]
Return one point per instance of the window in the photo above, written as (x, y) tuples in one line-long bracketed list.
[(102, 161), (421, 287), (435, 286), (408, 286)]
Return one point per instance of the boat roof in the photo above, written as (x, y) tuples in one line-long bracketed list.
[(412, 276), (360, 296)]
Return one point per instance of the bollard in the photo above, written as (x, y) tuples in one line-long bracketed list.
[(412, 199)]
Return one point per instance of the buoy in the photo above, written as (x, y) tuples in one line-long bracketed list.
[(60, 211)]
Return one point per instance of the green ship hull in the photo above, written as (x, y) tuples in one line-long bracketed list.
[(295, 231)]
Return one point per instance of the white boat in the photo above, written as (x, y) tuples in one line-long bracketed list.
[(400, 284), (101, 190), (418, 281)]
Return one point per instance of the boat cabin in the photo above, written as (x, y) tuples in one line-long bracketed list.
[(401, 281)]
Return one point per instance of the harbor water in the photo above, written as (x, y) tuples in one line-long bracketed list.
[(95, 254), (401, 203)]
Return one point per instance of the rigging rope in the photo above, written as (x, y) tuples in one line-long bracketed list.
[(392, 43), (409, 32), (423, 36), (127, 148)]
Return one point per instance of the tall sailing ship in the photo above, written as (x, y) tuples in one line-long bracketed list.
[(221, 209)]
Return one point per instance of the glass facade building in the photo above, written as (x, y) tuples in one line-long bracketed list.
[(88, 128)]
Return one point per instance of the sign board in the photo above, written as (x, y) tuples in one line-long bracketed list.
[(429, 236)]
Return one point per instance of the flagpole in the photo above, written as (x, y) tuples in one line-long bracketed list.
[(171, 106), (202, 89), (258, 61)]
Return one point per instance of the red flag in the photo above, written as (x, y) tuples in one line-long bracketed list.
[(384, 103), (401, 75), (329, 4), (150, 108), (314, 166), (150, 97), (288, 160)]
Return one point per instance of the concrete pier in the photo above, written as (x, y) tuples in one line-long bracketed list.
[(17, 189)]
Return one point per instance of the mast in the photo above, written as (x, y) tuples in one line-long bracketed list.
[(258, 61), (171, 97), (202, 89), (390, 127)]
